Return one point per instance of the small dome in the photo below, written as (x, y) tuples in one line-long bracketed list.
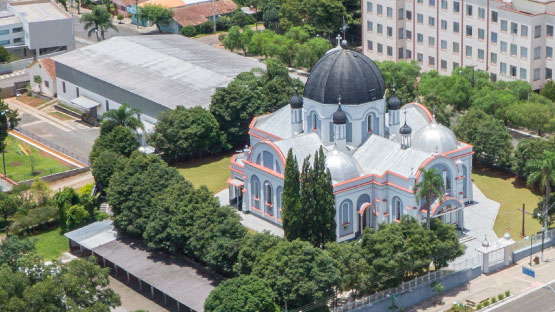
[(339, 117), (485, 243), (434, 138), (296, 100), (405, 129), (347, 72), (507, 236), (393, 103), (342, 166)]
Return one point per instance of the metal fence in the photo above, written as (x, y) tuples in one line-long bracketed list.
[(454, 267), (81, 158), (525, 243)]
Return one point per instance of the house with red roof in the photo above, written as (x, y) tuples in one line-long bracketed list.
[(42, 76), (196, 12)]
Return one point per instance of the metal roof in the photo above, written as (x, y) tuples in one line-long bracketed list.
[(39, 12), (93, 235), (278, 123), (85, 102), (171, 70), (303, 145)]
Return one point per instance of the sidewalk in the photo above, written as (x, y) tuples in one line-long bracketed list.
[(487, 286)]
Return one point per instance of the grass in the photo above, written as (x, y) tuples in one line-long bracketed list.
[(60, 116), (50, 244), (30, 100), (210, 171), (511, 193), (18, 165)]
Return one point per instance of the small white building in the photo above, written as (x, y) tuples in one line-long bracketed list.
[(46, 70)]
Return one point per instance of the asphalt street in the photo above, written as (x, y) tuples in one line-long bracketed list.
[(540, 300)]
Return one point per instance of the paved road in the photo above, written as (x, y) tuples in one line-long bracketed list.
[(540, 300)]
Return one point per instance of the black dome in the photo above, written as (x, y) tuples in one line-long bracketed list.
[(352, 74), (339, 117), (296, 100), (393, 103), (405, 129)]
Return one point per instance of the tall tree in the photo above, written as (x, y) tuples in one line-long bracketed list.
[(292, 211), (244, 293), (157, 14), (548, 90), (531, 115), (125, 116), (98, 22), (8, 121), (542, 173), (8, 207), (528, 150), (253, 249), (119, 140), (403, 75), (446, 246), (430, 187), (324, 202)]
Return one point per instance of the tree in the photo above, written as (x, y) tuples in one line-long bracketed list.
[(548, 90), (270, 15), (439, 108), (125, 116), (292, 212), (430, 187), (419, 244), (353, 268), (63, 3), (298, 273), (324, 228), (189, 31), (8, 121), (490, 138), (105, 165), (241, 19), (446, 246), (63, 200), (528, 150), (233, 39), (5, 56), (403, 75), (253, 248), (538, 211), (98, 21), (531, 115), (542, 173), (244, 293), (310, 52), (8, 207), (494, 102), (157, 14), (182, 133), (13, 250), (120, 140)]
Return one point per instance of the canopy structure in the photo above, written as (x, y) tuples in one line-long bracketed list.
[(85, 102)]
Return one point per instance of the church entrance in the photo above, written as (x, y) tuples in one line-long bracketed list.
[(449, 214)]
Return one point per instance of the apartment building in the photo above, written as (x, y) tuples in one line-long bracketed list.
[(509, 39)]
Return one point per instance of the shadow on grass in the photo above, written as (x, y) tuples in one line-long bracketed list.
[(199, 162), (516, 181)]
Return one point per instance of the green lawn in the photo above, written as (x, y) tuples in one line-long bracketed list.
[(50, 244), (511, 193), (210, 171), (18, 165)]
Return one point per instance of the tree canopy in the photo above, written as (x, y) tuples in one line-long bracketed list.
[(98, 22), (244, 293), (157, 15)]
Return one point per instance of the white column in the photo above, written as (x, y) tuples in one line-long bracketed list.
[(506, 255), (485, 262)]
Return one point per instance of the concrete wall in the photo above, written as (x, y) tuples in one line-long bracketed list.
[(51, 34), (58, 176), (423, 292), (536, 247)]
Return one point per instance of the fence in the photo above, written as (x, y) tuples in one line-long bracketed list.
[(58, 148), (30, 176), (16, 65), (525, 243)]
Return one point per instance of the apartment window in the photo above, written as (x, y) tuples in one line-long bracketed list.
[(420, 38), (64, 86), (401, 33), (456, 47), (107, 105), (514, 28), (456, 6), (537, 53), (536, 74), (420, 18), (409, 15), (455, 65), (370, 26), (514, 49), (4, 42), (468, 31), (503, 25), (401, 50), (390, 31), (380, 29), (523, 73), (538, 31), (431, 41), (524, 30), (493, 37), (548, 73), (389, 51), (420, 57), (370, 45), (481, 34), (503, 47), (4, 31), (494, 16), (468, 51), (431, 61), (389, 12), (549, 52), (444, 4), (380, 48), (46, 84), (443, 44), (503, 68), (17, 29), (493, 58), (512, 71), (456, 27), (77, 91), (431, 21), (369, 7), (480, 54), (432, 2), (401, 14), (380, 9), (444, 24), (17, 40), (524, 52), (550, 30), (420, 1), (481, 13), (443, 64), (409, 35), (409, 54), (493, 77), (469, 9)]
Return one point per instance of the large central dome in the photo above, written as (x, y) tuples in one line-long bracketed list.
[(347, 73)]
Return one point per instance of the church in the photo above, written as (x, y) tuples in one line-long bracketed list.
[(374, 150)]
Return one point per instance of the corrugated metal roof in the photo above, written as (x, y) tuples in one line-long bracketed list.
[(302, 145), (93, 235), (278, 123), (85, 102), (171, 70)]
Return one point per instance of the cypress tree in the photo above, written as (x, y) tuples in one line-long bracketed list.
[(325, 225), (292, 211), (307, 200)]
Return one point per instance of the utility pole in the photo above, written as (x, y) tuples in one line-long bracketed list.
[(4, 127), (523, 213), (214, 14), (137, 13)]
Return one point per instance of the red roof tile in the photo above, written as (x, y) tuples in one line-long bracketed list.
[(196, 14), (49, 66)]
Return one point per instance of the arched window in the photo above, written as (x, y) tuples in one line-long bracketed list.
[(314, 122), (279, 192), (255, 192), (268, 160), (345, 214), (259, 159), (397, 208), (268, 199), (369, 123), (278, 169)]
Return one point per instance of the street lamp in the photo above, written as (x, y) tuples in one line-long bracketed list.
[(531, 240)]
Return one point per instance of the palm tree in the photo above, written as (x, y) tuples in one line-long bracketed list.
[(124, 116), (99, 21), (429, 187), (542, 172)]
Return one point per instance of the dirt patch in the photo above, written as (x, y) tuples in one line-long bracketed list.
[(63, 163), (60, 116), (30, 100)]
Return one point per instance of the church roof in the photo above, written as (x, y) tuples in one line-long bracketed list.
[(302, 145), (277, 123)]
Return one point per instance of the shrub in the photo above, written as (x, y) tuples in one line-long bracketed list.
[(479, 306), (507, 293), (437, 287), (189, 31), (120, 17), (486, 303), (221, 37), (500, 297), (206, 27), (223, 23), (493, 300)]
